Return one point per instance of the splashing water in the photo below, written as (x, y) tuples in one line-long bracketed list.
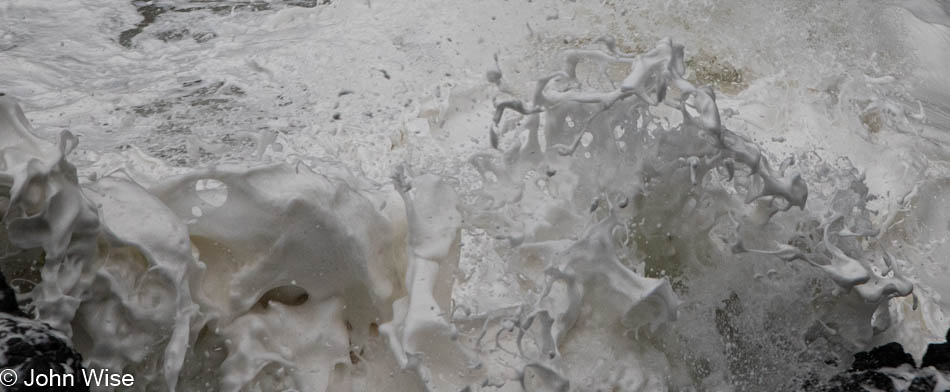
[(623, 225)]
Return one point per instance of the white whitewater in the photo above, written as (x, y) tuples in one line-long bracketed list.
[(612, 223)]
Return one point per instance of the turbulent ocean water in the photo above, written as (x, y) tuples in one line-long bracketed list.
[(486, 195)]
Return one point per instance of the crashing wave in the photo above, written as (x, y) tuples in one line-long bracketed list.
[(611, 206)]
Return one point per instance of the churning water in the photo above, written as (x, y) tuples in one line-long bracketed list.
[(496, 195)]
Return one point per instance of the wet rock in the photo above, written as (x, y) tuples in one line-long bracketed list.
[(889, 355), (922, 384), (28, 345), (8, 304), (875, 370), (861, 381), (938, 355)]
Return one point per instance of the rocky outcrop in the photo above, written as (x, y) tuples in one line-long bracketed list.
[(27, 345), (888, 368)]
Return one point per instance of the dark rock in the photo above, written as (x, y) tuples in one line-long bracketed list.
[(867, 372), (8, 302), (938, 355), (922, 384), (889, 355), (29, 345), (861, 381)]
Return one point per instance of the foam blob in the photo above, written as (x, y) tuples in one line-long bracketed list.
[(420, 336), (45, 208)]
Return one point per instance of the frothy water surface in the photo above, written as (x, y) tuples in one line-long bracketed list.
[(493, 195)]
